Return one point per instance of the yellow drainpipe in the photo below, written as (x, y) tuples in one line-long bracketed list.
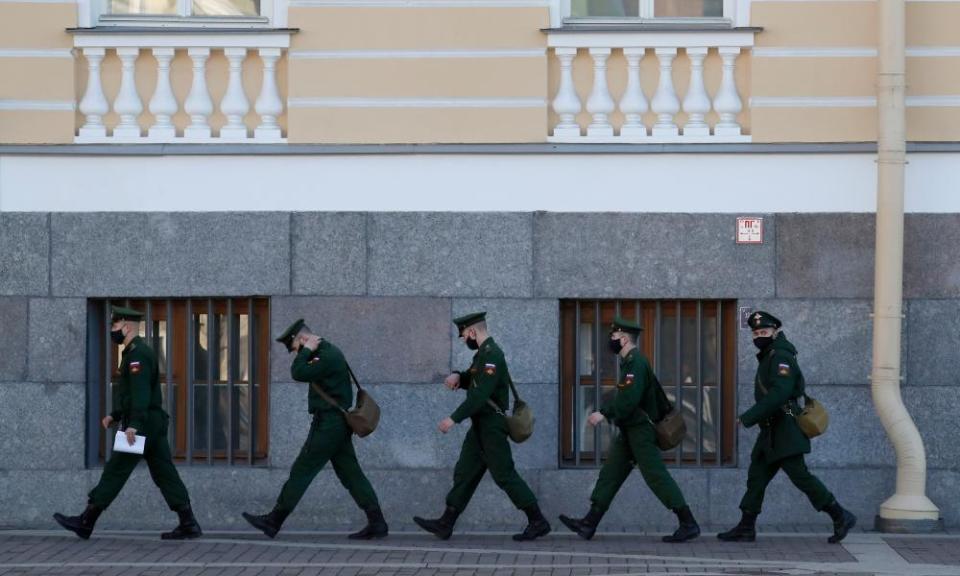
[(909, 508)]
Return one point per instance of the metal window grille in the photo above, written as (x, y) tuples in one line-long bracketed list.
[(691, 345), (213, 363)]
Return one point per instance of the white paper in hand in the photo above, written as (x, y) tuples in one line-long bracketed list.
[(120, 443)]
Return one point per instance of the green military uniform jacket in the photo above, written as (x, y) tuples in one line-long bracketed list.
[(139, 389), (636, 396), (486, 379), (327, 367), (780, 435)]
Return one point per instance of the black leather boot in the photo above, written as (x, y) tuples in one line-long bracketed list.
[(843, 521), (269, 524), (441, 527), (188, 527), (81, 525), (537, 525), (745, 531), (584, 527), (688, 529), (376, 526)]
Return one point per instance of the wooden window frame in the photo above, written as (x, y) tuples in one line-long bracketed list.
[(180, 364), (703, 310)]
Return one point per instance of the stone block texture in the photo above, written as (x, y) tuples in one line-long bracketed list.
[(24, 254), (329, 253), (170, 254), (444, 254), (648, 256), (383, 339), (14, 338), (384, 287)]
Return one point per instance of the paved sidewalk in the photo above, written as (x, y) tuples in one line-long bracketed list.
[(293, 553)]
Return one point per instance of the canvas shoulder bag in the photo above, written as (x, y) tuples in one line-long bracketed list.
[(670, 429), (520, 421), (813, 418), (364, 416)]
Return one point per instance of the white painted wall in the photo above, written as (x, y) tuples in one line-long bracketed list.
[(732, 183)]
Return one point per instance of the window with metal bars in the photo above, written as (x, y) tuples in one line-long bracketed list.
[(691, 345), (213, 356)]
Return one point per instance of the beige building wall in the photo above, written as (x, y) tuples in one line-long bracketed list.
[(821, 57), (362, 74), (365, 74), (36, 72)]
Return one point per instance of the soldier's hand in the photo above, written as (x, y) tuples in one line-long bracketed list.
[(131, 435), (595, 419), (311, 342), (446, 424), (453, 381), (107, 421)]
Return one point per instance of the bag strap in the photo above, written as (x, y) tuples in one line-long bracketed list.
[(352, 377), (316, 388), (804, 393), (516, 397)]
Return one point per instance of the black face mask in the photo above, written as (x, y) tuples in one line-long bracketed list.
[(762, 342), (473, 344), (615, 346), (116, 336)]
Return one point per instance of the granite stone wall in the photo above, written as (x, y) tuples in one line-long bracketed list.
[(384, 286)]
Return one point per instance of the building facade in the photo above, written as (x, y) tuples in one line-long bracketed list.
[(379, 167)]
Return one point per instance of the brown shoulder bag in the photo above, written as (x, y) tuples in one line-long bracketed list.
[(364, 416)]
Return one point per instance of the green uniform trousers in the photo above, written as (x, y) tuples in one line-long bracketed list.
[(486, 446), (329, 439), (636, 445), (762, 472), (156, 452)]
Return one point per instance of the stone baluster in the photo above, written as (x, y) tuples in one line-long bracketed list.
[(696, 103), (566, 103), (163, 104), (235, 104), (198, 105), (727, 103), (269, 105), (634, 103), (94, 103), (128, 105), (665, 103), (600, 104)]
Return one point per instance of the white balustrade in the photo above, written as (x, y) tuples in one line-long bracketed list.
[(566, 103), (634, 103), (727, 104), (696, 103), (164, 104), (269, 106), (198, 105), (235, 104), (94, 104), (701, 55), (600, 104)]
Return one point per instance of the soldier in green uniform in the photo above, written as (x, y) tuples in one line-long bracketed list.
[(781, 444), (631, 410), (138, 411), (486, 445), (330, 438)]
